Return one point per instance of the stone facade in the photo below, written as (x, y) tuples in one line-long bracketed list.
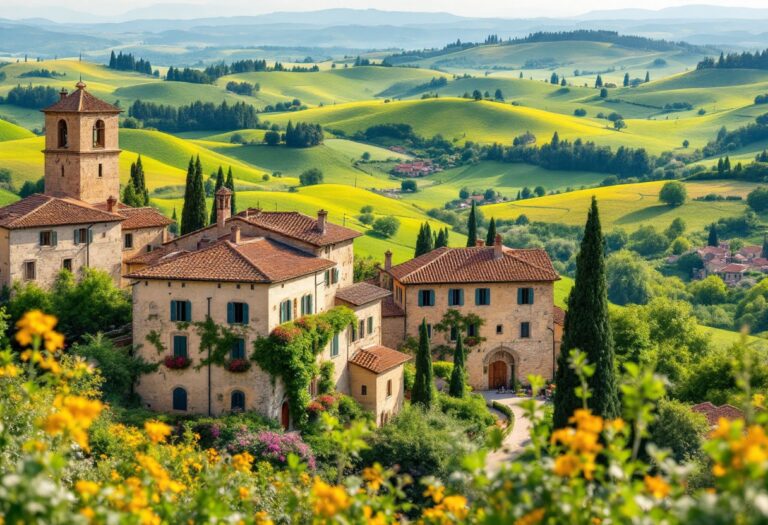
[(382, 394)]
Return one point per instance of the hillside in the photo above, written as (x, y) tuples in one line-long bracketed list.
[(9, 131)]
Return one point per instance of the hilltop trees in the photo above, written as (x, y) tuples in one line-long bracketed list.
[(195, 116), (127, 62), (587, 328), (424, 241), (423, 389), (472, 227), (194, 213), (626, 80), (135, 193), (303, 135)]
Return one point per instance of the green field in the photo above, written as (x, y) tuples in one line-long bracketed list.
[(10, 131)]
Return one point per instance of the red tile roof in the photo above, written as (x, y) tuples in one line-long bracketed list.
[(379, 359), (733, 267), (80, 101), (361, 293), (43, 210), (147, 217), (390, 309), (298, 226), (256, 260), (714, 413), (477, 264)]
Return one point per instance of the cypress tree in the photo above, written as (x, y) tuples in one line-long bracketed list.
[(141, 183), (442, 238), (186, 215), (174, 228), (217, 187), (429, 241), (491, 237), (587, 328), (419, 242), (457, 386), (422, 384), (472, 227), (199, 210), (647, 76), (713, 240), (129, 195), (230, 183), (764, 253)]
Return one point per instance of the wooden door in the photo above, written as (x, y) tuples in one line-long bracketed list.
[(285, 415), (497, 375)]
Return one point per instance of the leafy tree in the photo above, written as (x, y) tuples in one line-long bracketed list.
[(647, 241), (424, 241), (386, 226), (673, 193), (272, 138), (464, 193), (679, 246), (712, 239), (603, 93), (689, 262), (587, 328), (631, 333), (366, 218), (30, 188), (539, 191), (477, 95), (616, 239), (472, 226), (129, 195), (490, 239), (711, 290), (457, 386), (676, 228), (311, 177), (757, 199), (628, 278), (423, 388), (219, 184), (686, 143), (679, 429), (619, 124), (499, 95), (409, 186)]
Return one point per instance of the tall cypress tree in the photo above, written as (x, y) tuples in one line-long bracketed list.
[(422, 384), (587, 328), (713, 240), (457, 386), (491, 238), (764, 253), (174, 228), (141, 183), (186, 214), (230, 183), (129, 195), (472, 226), (419, 242), (199, 209), (442, 238), (217, 187)]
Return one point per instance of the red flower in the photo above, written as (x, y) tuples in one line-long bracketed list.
[(238, 365), (285, 334), (326, 400), (315, 408), (471, 341), (177, 362)]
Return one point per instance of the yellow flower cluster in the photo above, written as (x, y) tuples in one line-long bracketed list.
[(158, 473), (582, 444), (328, 500), (35, 327), (373, 519), (656, 485), (242, 461), (449, 510), (531, 518), (374, 476), (131, 436), (130, 496), (73, 416), (157, 431), (745, 449)]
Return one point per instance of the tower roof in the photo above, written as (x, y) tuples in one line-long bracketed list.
[(81, 101)]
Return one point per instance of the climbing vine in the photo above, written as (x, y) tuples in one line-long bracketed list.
[(290, 352), (453, 319), (217, 341)]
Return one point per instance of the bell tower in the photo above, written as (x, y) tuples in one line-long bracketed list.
[(81, 147)]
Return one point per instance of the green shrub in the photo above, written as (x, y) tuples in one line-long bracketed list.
[(471, 410), (442, 369)]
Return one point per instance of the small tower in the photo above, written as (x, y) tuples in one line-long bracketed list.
[(223, 206), (81, 147)]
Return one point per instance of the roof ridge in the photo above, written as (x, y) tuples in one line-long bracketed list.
[(445, 249), (233, 248), (511, 253)]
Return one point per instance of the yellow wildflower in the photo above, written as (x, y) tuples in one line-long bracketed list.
[(456, 505), (157, 431), (531, 518), (657, 486), (566, 465), (86, 488), (374, 476), (328, 500), (35, 326), (262, 518), (436, 493), (718, 470), (373, 519), (87, 512), (758, 400), (244, 493), (242, 461)]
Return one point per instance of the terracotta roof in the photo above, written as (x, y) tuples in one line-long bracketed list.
[(147, 217), (733, 267), (559, 315), (298, 226), (361, 293), (714, 413), (477, 264), (378, 359), (80, 101), (43, 210), (390, 309), (257, 260)]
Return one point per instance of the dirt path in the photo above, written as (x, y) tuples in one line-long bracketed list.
[(516, 440)]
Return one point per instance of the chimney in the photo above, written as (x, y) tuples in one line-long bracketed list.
[(387, 260), (322, 215), (223, 206), (235, 237), (62, 94), (479, 242), (111, 201), (498, 248)]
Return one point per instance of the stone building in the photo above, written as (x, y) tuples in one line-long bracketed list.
[(77, 222), (253, 272), (512, 291)]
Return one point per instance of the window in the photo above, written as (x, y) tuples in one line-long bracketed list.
[(180, 346), (455, 297), (499, 329), (361, 325), (83, 236), (62, 170), (352, 332), (525, 330), (179, 399), (364, 390), (525, 296), (181, 311), (454, 334), (389, 388), (331, 276), (472, 330), (238, 349), (237, 313), (101, 169), (48, 238), (426, 298), (285, 311), (237, 401), (30, 270), (128, 241), (482, 296), (335, 345), (370, 325), (98, 135), (63, 138), (429, 331), (66, 264), (306, 305)]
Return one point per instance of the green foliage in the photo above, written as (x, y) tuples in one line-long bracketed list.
[(290, 353), (631, 333), (711, 290), (424, 241), (409, 186), (490, 238), (471, 410), (675, 229), (365, 268), (194, 214), (629, 278), (326, 385), (472, 226), (679, 429), (458, 384), (757, 199), (647, 241), (311, 177), (230, 183), (386, 226), (217, 186), (442, 369), (423, 386), (712, 239)]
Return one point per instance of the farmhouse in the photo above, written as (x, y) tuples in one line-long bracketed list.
[(506, 295), (77, 222)]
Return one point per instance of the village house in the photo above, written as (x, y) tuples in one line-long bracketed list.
[(253, 272), (512, 291), (730, 266), (77, 222)]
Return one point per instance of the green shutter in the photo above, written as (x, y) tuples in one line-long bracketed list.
[(173, 311), (487, 296), (230, 313), (421, 297), (76, 236), (519, 296), (431, 298), (90, 235), (54, 238), (530, 297), (246, 315), (477, 296), (189, 311), (461, 296)]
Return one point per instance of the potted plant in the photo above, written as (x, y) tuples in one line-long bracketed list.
[(238, 365), (177, 362)]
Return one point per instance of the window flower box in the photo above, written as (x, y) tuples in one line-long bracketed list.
[(177, 362), (238, 365)]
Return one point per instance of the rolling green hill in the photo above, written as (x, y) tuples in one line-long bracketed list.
[(9, 131)]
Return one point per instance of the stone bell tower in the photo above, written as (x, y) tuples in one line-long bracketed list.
[(81, 147)]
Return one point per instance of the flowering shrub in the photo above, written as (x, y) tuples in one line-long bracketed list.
[(472, 341), (177, 362), (274, 447), (238, 365)]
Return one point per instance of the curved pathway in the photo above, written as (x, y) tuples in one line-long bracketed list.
[(519, 436)]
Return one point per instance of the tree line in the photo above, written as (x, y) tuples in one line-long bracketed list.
[(222, 69), (195, 116), (192, 76), (32, 97), (303, 135), (730, 140), (127, 62), (747, 60), (135, 192)]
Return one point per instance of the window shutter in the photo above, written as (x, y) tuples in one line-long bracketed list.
[(246, 316), (40, 238), (519, 296), (421, 297), (309, 304), (230, 313), (54, 238), (461, 297), (477, 296), (90, 236), (189, 311), (487, 296), (431, 298), (530, 296), (76, 236), (173, 311)]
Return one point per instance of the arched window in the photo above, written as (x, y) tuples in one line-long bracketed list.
[(237, 401), (98, 134), (63, 138), (179, 399)]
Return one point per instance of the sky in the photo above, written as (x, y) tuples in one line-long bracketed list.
[(500, 8)]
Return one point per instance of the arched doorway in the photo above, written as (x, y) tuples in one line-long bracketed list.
[(499, 364), (497, 375), (285, 415)]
